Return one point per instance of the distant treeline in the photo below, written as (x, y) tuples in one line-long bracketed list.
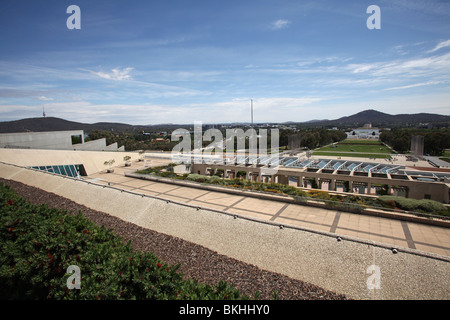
[(435, 140), (136, 140), (310, 138)]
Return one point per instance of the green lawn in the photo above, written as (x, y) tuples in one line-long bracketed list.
[(357, 148), (356, 141), (353, 154), (446, 156)]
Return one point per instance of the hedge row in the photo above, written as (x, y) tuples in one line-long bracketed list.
[(248, 185), (38, 244), (407, 204)]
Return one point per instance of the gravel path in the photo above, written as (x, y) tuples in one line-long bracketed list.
[(196, 261)]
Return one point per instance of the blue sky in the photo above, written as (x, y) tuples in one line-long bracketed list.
[(150, 62)]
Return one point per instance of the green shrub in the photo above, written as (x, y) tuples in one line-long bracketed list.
[(169, 174), (180, 177), (337, 197), (152, 170), (215, 180), (197, 177), (237, 182), (38, 244), (430, 206), (407, 204), (272, 190), (318, 194)]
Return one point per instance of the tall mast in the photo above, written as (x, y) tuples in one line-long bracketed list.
[(252, 111)]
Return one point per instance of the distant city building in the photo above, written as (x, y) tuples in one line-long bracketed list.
[(364, 133), (339, 175)]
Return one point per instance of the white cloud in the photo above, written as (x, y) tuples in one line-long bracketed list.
[(266, 109), (44, 98), (127, 86), (18, 109), (269, 109), (414, 85), (280, 24), (359, 68), (237, 110), (440, 45), (115, 74), (429, 66)]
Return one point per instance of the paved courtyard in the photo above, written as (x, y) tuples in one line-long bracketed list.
[(397, 233)]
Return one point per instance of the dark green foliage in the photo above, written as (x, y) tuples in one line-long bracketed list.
[(312, 138), (435, 140), (162, 171), (424, 205), (134, 139), (38, 244)]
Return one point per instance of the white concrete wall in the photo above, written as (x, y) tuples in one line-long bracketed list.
[(94, 145), (93, 161), (40, 140), (54, 140)]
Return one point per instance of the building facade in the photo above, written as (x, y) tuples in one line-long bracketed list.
[(343, 176)]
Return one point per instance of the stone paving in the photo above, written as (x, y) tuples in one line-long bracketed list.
[(427, 238)]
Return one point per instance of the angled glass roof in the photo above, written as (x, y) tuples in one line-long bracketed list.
[(71, 170), (334, 165)]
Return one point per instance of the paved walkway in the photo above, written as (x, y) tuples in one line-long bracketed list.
[(397, 233)]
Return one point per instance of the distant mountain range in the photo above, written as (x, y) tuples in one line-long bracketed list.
[(380, 119), (376, 118), (57, 124)]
